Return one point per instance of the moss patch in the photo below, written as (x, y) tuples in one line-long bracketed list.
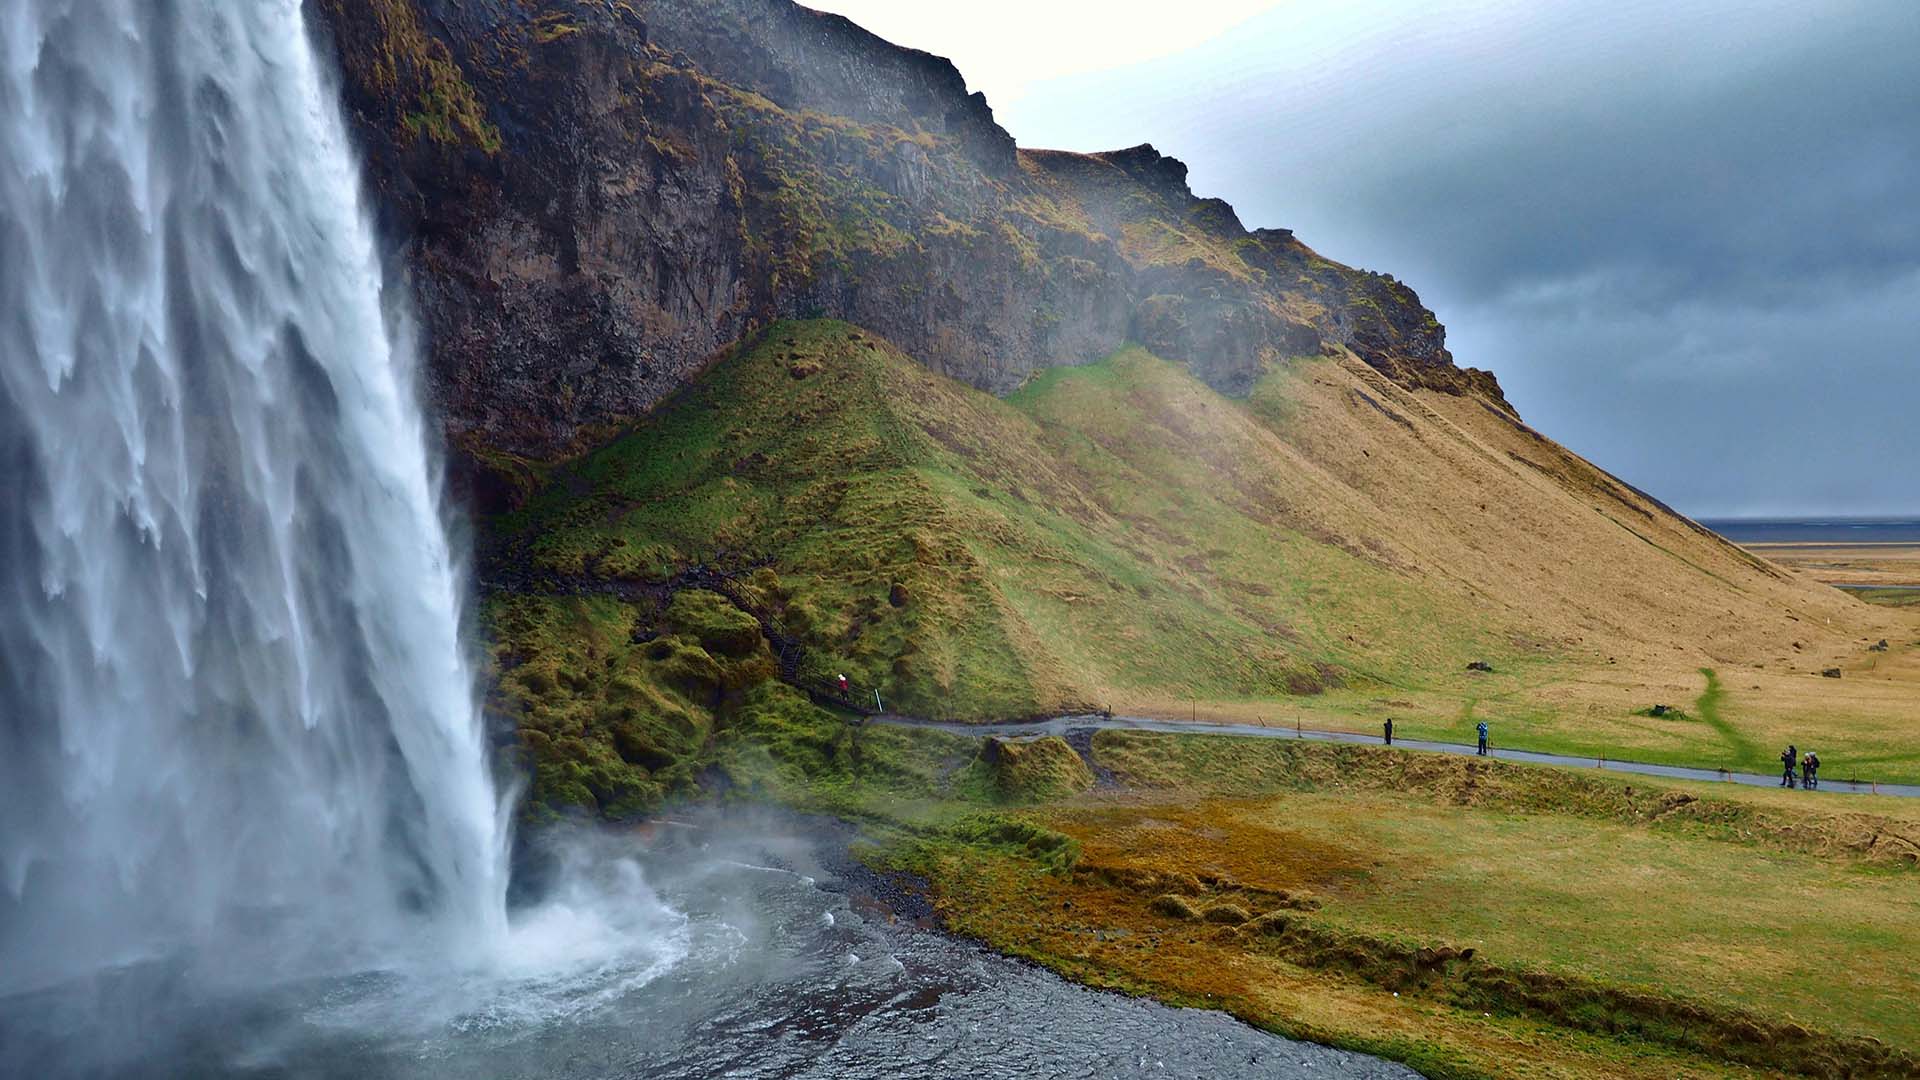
[(1034, 770), (409, 64)]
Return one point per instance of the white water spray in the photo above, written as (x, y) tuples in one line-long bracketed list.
[(236, 721)]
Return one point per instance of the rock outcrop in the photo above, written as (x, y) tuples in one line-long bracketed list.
[(597, 197)]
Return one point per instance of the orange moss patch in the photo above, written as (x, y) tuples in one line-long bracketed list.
[(1221, 903), (1201, 849), (1116, 938)]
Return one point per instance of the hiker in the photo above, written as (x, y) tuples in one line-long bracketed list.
[(1788, 758), (1389, 729), (1483, 738), (1810, 771), (842, 680)]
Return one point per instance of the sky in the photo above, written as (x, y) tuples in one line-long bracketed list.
[(1685, 234)]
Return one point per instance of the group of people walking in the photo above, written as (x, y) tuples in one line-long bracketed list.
[(1387, 730), (1791, 759), (1808, 763)]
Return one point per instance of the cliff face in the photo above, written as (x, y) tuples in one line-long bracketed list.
[(599, 196)]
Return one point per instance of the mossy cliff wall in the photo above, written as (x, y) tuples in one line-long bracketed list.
[(597, 197)]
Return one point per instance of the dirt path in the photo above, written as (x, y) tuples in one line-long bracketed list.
[(1069, 726)]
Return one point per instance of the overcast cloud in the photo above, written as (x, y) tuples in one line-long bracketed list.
[(1685, 234)]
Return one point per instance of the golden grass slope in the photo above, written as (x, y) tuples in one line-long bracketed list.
[(1333, 549)]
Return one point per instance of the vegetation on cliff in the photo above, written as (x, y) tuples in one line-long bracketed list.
[(601, 196)]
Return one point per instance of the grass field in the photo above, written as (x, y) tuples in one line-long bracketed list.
[(1617, 928), (1900, 598), (1814, 940), (1624, 903), (1866, 564)]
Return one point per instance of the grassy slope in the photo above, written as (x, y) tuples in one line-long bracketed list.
[(1098, 538), (1633, 600), (1331, 551)]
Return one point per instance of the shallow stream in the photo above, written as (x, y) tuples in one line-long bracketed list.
[(711, 950)]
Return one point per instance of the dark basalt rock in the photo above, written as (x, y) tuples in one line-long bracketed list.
[(597, 198)]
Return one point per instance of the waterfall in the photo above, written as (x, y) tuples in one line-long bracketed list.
[(237, 724)]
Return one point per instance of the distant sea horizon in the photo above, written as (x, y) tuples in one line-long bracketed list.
[(1817, 530)]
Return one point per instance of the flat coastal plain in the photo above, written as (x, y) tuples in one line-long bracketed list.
[(1878, 561)]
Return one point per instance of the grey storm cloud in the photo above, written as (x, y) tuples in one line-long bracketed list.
[(1685, 235)]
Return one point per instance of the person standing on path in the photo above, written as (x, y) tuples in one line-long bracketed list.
[(1388, 727), (1787, 759), (1483, 738), (1813, 769), (1806, 771)]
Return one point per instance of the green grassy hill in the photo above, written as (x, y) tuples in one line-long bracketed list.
[(1116, 534), (1109, 530)]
